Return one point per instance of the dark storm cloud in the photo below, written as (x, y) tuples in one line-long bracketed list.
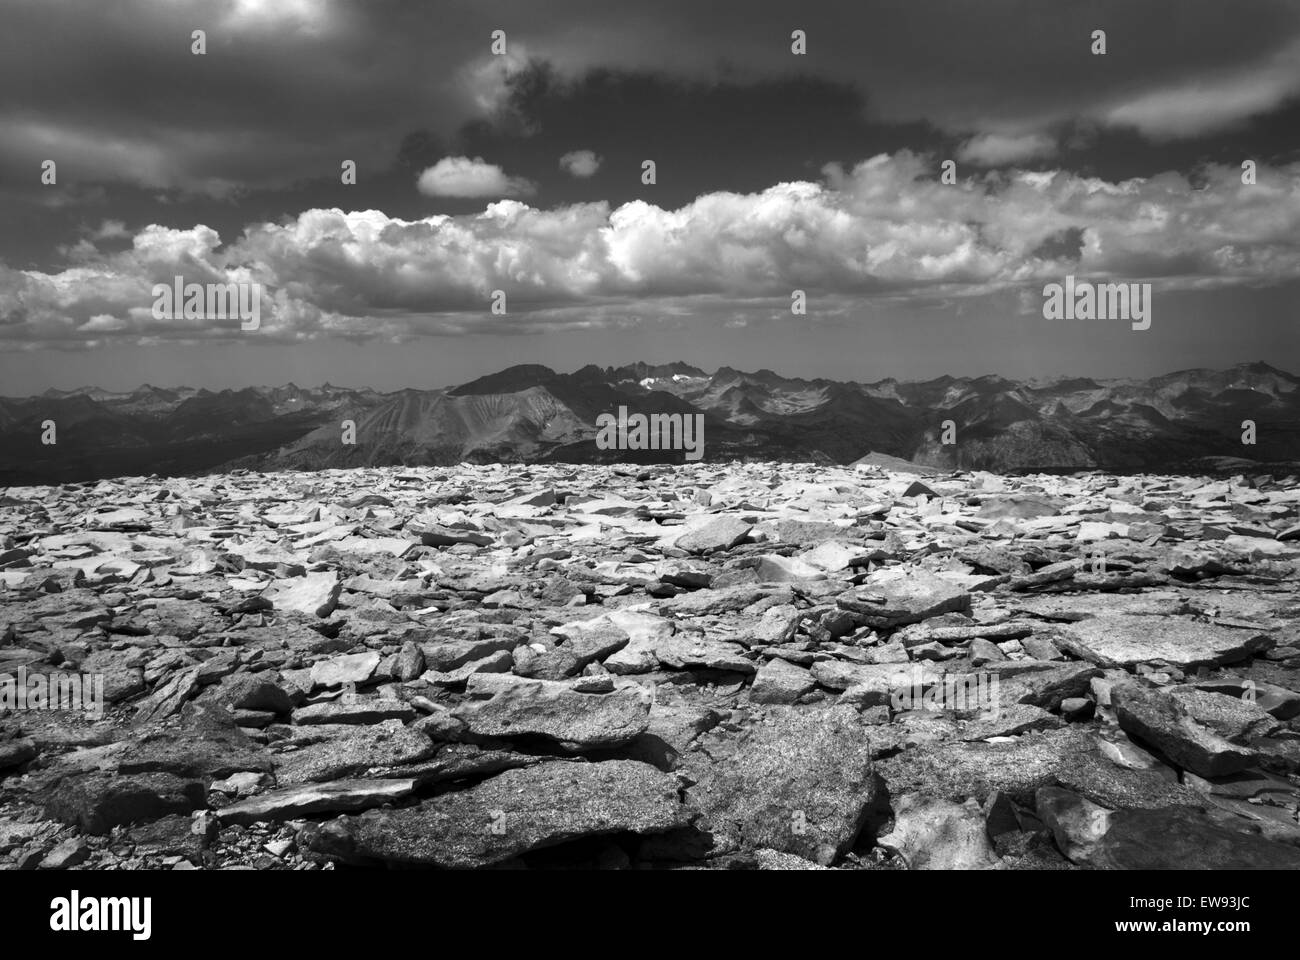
[(290, 87)]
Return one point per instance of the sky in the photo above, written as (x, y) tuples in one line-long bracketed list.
[(514, 162)]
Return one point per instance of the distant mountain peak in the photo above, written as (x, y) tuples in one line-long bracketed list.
[(529, 412), (510, 380)]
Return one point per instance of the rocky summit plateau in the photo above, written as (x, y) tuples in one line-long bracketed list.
[(716, 665)]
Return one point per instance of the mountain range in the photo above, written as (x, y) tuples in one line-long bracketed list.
[(1188, 421)]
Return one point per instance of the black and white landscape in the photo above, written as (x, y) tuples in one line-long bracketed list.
[(733, 435)]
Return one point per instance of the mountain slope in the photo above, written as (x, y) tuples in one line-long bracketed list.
[(1182, 421)]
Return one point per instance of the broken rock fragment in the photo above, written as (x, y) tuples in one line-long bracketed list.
[(896, 597), (721, 533), (314, 594), (796, 782), (309, 799), (97, 802), (932, 834), (780, 682), (1126, 640), (510, 814), (1184, 838), (555, 712), (1162, 721)]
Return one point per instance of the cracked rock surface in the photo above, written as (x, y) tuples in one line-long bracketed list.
[(757, 665)]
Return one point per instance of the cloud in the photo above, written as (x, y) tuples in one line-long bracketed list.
[(886, 228), (580, 163), (110, 230), (1199, 105), (310, 72), (86, 153), (466, 178), (996, 150), (311, 17), (486, 80)]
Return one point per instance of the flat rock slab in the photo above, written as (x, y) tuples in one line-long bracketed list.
[(1163, 721), (1045, 688), (797, 782), (556, 712), (1086, 605), (1236, 719), (97, 802), (310, 799), (16, 834), (578, 644), (361, 710), (461, 761), (906, 596), (780, 682), (716, 601), (806, 532), (777, 569), (349, 668), (318, 753), (873, 684), (655, 644), (440, 535), (956, 771), (69, 853), (1125, 641), (248, 691), (1018, 508), (500, 662), (509, 815), (1098, 778), (394, 546), (834, 555), (316, 594), (1068, 757), (447, 656), (1182, 838), (210, 752), (685, 650), (1278, 702), (1010, 721), (721, 533)]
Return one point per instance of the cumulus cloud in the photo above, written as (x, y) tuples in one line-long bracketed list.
[(996, 150), (885, 228), (466, 178), (580, 163)]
